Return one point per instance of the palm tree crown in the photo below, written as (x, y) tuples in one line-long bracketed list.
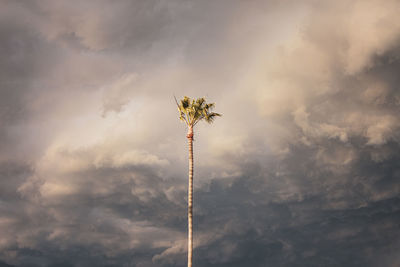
[(192, 111)]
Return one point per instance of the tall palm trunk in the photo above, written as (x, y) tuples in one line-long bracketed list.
[(190, 198), (192, 111)]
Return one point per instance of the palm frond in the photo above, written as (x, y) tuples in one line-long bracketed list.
[(191, 111), (211, 117), (185, 102), (181, 110)]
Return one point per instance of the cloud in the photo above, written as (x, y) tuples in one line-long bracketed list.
[(302, 169)]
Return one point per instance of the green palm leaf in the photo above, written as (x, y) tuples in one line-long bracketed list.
[(191, 111)]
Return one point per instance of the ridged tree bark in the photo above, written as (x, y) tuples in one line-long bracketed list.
[(190, 198)]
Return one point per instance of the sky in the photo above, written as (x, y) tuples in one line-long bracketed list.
[(302, 169)]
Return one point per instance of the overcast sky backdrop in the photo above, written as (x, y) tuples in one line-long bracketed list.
[(302, 170)]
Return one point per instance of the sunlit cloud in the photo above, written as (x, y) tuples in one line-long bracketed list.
[(301, 169)]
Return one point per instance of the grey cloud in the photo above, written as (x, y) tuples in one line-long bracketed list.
[(301, 170)]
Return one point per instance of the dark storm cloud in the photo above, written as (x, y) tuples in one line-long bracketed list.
[(301, 170), (21, 51)]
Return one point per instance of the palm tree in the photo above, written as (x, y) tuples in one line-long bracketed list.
[(191, 112)]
